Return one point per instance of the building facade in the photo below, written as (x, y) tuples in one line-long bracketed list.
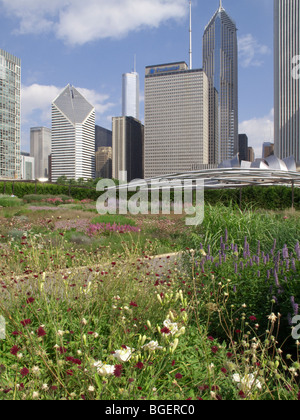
[(286, 78), (267, 149), (104, 162), (40, 149), (27, 167), (176, 119), (10, 111), (220, 63), (127, 148), (103, 137), (131, 95), (243, 147), (73, 136)]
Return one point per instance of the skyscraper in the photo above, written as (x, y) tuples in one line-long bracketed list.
[(220, 63), (176, 119), (40, 149), (131, 95), (73, 136), (286, 78), (127, 148), (10, 103)]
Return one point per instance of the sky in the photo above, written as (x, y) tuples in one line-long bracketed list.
[(91, 43)]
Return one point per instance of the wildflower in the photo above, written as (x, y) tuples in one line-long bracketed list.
[(215, 349), (24, 372), (36, 370), (253, 318), (272, 318), (123, 355), (139, 365), (178, 376), (118, 371), (69, 372), (35, 395), (30, 300), (26, 322), (152, 346), (247, 382), (133, 304), (103, 369), (45, 387), (173, 327), (14, 350), (84, 321), (91, 389), (41, 332), (60, 333)]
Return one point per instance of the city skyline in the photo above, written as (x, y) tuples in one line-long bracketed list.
[(95, 63)]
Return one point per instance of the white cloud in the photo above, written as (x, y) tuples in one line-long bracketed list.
[(251, 52), (77, 22), (259, 130)]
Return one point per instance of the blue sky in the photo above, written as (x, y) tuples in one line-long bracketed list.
[(91, 43)]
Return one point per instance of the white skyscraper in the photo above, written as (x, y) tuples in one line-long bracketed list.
[(73, 136), (10, 104), (287, 78), (131, 95)]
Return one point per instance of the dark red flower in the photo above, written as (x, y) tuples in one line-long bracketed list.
[(133, 304), (242, 395), (24, 372), (165, 330), (253, 318), (210, 338), (41, 332), (178, 376), (139, 365), (69, 372), (26, 322), (16, 333), (215, 349), (229, 355), (30, 300), (14, 350), (223, 370), (118, 371)]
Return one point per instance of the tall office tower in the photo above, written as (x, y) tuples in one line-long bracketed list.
[(243, 147), (27, 166), (176, 119), (131, 95), (127, 148), (286, 78), (220, 63), (251, 154), (40, 149), (10, 104), (73, 136)]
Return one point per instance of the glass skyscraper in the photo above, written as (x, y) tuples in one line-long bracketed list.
[(131, 95), (220, 63), (286, 78), (10, 98)]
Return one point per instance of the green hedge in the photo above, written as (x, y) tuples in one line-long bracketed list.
[(270, 198)]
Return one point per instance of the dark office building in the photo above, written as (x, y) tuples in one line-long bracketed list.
[(103, 137), (128, 148), (243, 147)]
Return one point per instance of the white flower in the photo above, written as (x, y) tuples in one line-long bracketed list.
[(60, 333), (84, 321), (45, 387), (91, 389), (103, 369), (35, 395), (36, 370), (247, 382), (152, 346), (272, 318), (172, 326), (123, 355)]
